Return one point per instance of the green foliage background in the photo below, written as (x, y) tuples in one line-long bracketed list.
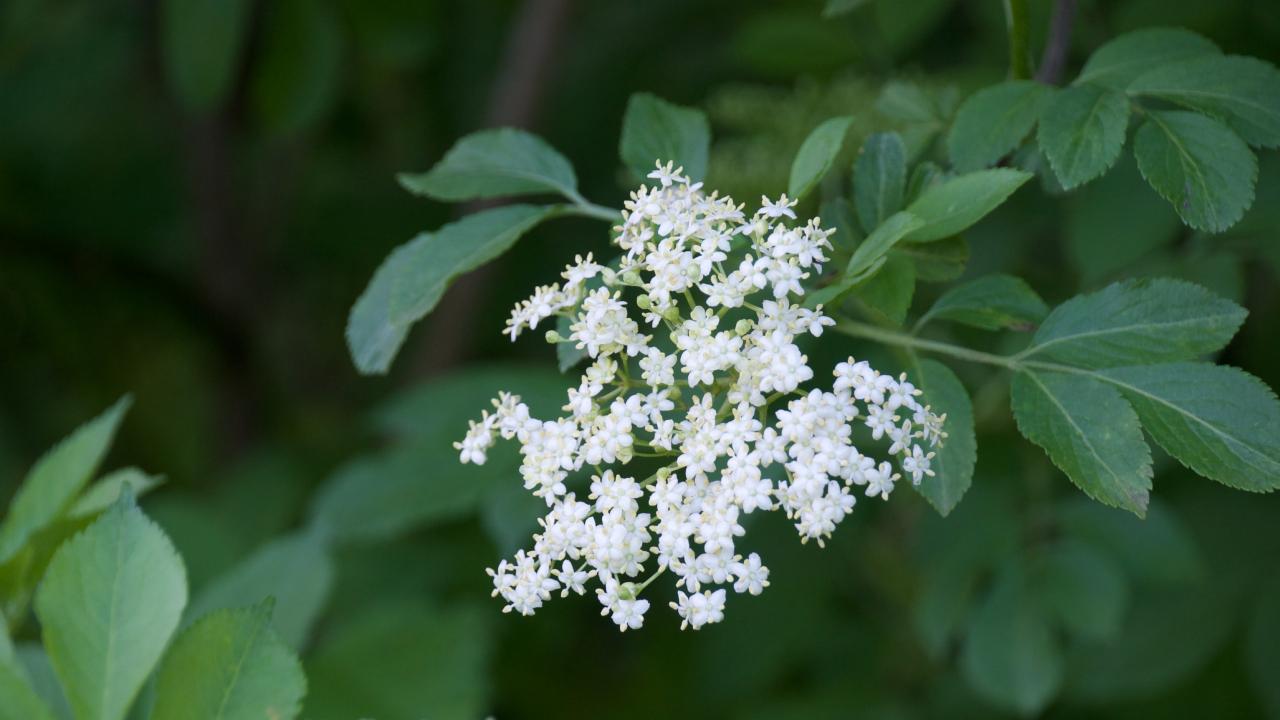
[(192, 194)]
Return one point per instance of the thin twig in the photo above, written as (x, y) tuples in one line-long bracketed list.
[(1053, 63)]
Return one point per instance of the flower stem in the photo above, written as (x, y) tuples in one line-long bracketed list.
[(901, 339), (1015, 15)]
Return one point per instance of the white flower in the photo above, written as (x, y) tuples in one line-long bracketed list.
[(722, 400)]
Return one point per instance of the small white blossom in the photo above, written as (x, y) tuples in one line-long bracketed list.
[(724, 400)]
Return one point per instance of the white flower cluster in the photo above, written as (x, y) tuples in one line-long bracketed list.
[(719, 292)]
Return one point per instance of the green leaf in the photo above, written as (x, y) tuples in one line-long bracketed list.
[(879, 179), (953, 465), (991, 302), (434, 409), (992, 123), (18, 701), (880, 241), (837, 214), (816, 155), (1243, 91), (1119, 62), (42, 679), (296, 73), (941, 261), (656, 130), (201, 42), (1199, 165), (495, 163), (1219, 421), (1135, 322), (108, 604), (57, 478), (1157, 548), (924, 176), (1082, 129), (1083, 587), (415, 275), (889, 291), (1089, 432), (296, 571), (403, 662), (104, 493), (229, 665), (833, 293), (953, 205), (1010, 654), (1262, 646)]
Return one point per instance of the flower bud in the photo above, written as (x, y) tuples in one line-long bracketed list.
[(554, 337), (743, 327), (643, 302)]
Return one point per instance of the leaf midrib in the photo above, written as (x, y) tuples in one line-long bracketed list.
[(1034, 349)]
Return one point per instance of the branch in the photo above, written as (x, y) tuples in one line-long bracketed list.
[(1054, 61), (513, 103), (1015, 15)]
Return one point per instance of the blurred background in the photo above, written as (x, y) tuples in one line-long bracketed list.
[(193, 193)]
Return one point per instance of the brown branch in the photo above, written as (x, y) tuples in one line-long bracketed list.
[(514, 102), (1054, 61)]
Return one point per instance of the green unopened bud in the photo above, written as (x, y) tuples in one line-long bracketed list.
[(554, 337), (631, 277), (627, 591), (643, 302), (743, 327), (609, 276)]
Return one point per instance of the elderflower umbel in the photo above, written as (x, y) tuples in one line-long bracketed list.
[(695, 363)]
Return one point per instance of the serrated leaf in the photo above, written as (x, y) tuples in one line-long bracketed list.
[(1135, 322), (889, 291), (1084, 588), (816, 155), (415, 275), (1157, 548), (992, 122), (656, 130), (57, 478), (991, 302), (879, 179), (955, 204), (1243, 91), (880, 241), (1197, 164), (109, 602), (106, 491), (1219, 421), (845, 284), (296, 570), (18, 701), (495, 163), (201, 42), (1122, 60), (1010, 655), (1089, 432), (955, 459), (230, 665), (401, 662), (1082, 129), (940, 261)]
